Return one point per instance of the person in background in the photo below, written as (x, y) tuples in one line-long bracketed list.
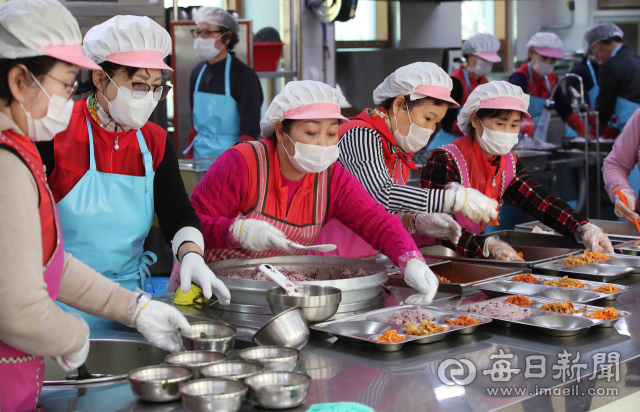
[(259, 197), (483, 159), (480, 53), (225, 93), (618, 80), (537, 79), (376, 147), (113, 170), (39, 62)]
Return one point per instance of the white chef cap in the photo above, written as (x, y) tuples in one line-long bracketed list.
[(304, 99), (418, 80), (546, 44), (600, 32), (483, 45), (493, 95), (31, 28), (217, 17), (132, 41)]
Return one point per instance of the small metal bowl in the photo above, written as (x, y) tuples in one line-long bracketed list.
[(220, 337), (158, 383), (274, 358), (239, 369), (279, 390), (320, 304), (195, 360), (286, 329), (215, 394)]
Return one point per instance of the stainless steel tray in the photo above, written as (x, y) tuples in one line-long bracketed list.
[(628, 248), (507, 286), (519, 238), (620, 231), (549, 323), (616, 267), (368, 326), (462, 275)]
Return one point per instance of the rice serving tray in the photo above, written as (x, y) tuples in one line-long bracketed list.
[(607, 270)]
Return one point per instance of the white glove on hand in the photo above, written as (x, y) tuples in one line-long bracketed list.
[(418, 276), (438, 225), (195, 270), (258, 236), (621, 210), (499, 250), (159, 323), (471, 203), (74, 360), (594, 238)]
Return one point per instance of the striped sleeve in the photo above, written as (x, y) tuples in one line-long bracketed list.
[(361, 153)]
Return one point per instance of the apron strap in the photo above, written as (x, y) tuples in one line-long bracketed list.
[(616, 50), (227, 76), (148, 161), (510, 172), (466, 80), (462, 164), (92, 159), (530, 79), (199, 77), (593, 75), (546, 79), (263, 173), (146, 259)]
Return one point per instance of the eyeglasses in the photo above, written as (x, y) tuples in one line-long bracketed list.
[(140, 90), (205, 34), (72, 87)]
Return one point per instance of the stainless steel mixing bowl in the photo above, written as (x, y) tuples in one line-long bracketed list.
[(195, 359), (239, 369), (158, 383), (279, 390), (320, 304), (274, 358), (286, 329), (213, 395), (219, 337)]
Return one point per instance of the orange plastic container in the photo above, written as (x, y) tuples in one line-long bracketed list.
[(266, 56)]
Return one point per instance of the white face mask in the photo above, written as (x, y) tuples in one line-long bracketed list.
[(542, 68), (497, 143), (311, 158), (417, 138), (128, 111), (55, 121), (481, 69), (206, 48)]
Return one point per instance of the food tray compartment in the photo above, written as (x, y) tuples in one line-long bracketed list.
[(624, 261), (572, 295), (462, 275), (600, 272), (599, 323), (589, 285), (506, 287), (360, 327)]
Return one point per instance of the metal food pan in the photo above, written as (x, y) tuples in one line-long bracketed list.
[(520, 238), (628, 248), (600, 272), (589, 285), (619, 231), (599, 323), (462, 275)]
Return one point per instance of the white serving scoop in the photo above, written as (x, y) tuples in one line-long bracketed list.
[(282, 281), (314, 248)]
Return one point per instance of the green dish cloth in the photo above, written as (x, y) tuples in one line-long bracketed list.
[(340, 407)]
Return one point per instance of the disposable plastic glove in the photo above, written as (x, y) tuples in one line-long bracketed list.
[(471, 203), (258, 236), (195, 270), (159, 323), (593, 238), (499, 250), (418, 276), (621, 210), (438, 225), (74, 360)]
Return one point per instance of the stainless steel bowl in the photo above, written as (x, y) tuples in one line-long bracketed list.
[(286, 329), (320, 304), (239, 369), (220, 337), (158, 383), (274, 358), (279, 390), (195, 359), (213, 395)]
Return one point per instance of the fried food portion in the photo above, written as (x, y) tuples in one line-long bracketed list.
[(526, 278), (560, 307), (586, 259), (462, 321), (565, 282), (425, 328), (606, 289), (604, 314), (442, 279), (390, 337), (519, 300), (637, 243)]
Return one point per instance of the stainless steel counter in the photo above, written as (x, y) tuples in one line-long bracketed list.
[(408, 380)]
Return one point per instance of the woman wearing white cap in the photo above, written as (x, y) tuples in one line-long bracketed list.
[(480, 53), (537, 79), (376, 147), (112, 169), (259, 197), (39, 60), (483, 159)]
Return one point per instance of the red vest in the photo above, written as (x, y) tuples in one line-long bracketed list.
[(539, 85), (473, 82)]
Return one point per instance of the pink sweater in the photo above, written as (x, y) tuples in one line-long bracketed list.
[(623, 158), (224, 188)]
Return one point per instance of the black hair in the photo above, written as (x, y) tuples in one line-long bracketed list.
[(112, 69), (286, 125), (234, 37), (615, 39), (387, 104), (490, 114), (38, 66)]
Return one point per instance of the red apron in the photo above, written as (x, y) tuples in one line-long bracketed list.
[(21, 374)]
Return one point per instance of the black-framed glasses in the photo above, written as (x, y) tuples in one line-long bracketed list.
[(205, 34), (72, 87), (140, 90)]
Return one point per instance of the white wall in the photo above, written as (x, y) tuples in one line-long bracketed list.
[(311, 42), (430, 25)]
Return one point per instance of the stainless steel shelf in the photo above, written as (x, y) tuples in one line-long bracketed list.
[(276, 75)]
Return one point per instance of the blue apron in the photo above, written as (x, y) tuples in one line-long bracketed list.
[(444, 138), (593, 95), (105, 220), (536, 104), (215, 118)]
